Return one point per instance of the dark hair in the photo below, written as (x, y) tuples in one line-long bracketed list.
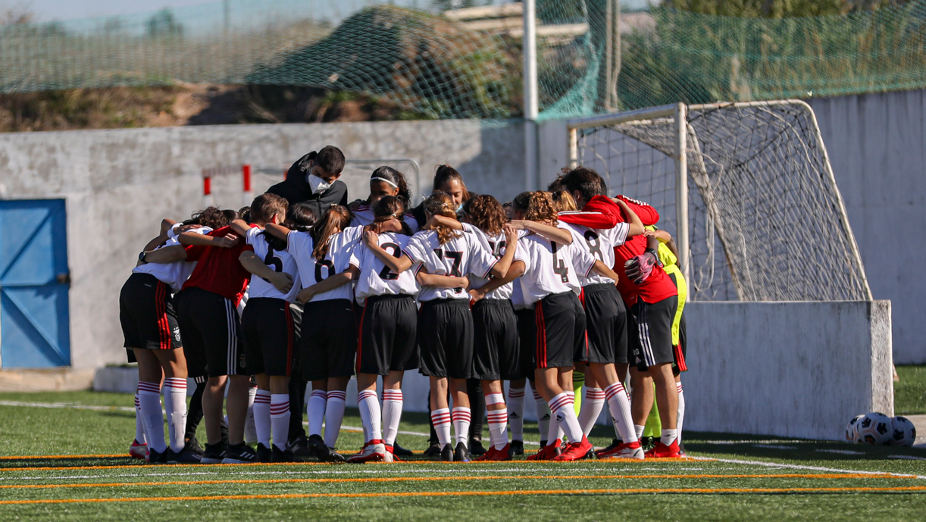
[(395, 177), (536, 206), (301, 217), (302, 166), (556, 185), (390, 207), (585, 181), (440, 203), (266, 205), (444, 174), (485, 213), (330, 159), (210, 217), (244, 213), (333, 221)]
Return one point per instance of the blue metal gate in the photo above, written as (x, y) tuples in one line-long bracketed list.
[(34, 281)]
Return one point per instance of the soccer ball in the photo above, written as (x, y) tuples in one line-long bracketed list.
[(875, 428), (852, 428), (903, 432)]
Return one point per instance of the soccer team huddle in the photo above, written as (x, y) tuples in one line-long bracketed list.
[(302, 286)]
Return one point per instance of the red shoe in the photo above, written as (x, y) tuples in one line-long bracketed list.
[(576, 451), (661, 451), (390, 454), (626, 450), (496, 454), (138, 450), (373, 451), (548, 452)]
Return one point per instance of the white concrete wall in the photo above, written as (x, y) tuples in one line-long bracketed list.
[(787, 369), (877, 146), (119, 184)]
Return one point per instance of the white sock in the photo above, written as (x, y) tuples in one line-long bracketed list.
[(498, 420), (261, 411), (441, 421), (370, 414), (279, 419), (334, 414), (516, 412), (175, 404), (315, 411), (149, 397), (638, 430), (250, 430), (591, 409), (619, 408), (543, 417), (462, 417), (392, 413), (563, 409), (681, 410), (668, 436), (139, 425)]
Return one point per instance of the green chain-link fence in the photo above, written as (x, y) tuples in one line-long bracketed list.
[(440, 65)]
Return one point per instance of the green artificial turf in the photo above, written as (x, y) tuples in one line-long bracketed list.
[(795, 479), (910, 391)]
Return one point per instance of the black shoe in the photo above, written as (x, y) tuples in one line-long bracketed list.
[(279, 455), (185, 456), (316, 447), (446, 453), (239, 454), (334, 457), (399, 451), (460, 454), (647, 443), (476, 448), (300, 447), (614, 444), (213, 454), (263, 453), (224, 427), (517, 448), (434, 450), (193, 445), (156, 457)]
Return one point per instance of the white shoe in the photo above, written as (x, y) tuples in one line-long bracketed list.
[(373, 451)]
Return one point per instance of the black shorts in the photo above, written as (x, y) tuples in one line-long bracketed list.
[(387, 335), (527, 335), (607, 324), (147, 314), (267, 332), (496, 353), (681, 351), (445, 335), (329, 340), (651, 332), (580, 348), (558, 337), (210, 328)]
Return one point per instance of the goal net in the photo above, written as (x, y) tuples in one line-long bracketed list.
[(746, 189)]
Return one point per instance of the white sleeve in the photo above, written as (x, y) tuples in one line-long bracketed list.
[(251, 235), (618, 234), (481, 260)]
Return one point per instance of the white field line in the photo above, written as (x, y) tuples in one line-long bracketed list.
[(68, 405), (775, 446), (840, 452), (809, 468)]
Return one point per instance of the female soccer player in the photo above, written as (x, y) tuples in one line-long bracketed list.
[(384, 181)]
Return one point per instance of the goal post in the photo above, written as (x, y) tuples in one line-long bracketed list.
[(757, 213)]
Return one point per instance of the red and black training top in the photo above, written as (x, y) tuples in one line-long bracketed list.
[(218, 269)]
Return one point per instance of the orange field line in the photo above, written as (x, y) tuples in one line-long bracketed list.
[(50, 457), (394, 494), (448, 478)]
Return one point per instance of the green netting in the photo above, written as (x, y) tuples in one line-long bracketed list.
[(437, 67)]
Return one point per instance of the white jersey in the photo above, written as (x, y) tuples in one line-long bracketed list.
[(277, 260), (363, 216), (551, 268), (600, 243), (375, 277), (336, 260), (496, 245), (459, 256), (176, 273)]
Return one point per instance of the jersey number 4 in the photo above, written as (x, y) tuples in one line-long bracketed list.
[(385, 274), (559, 266)]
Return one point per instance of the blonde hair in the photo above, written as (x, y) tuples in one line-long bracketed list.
[(439, 203), (563, 201)]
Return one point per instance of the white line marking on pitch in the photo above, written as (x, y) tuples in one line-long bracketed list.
[(775, 446), (69, 405), (811, 468), (841, 452)]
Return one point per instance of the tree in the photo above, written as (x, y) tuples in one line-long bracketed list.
[(163, 23)]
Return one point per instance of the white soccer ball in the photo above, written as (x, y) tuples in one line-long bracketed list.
[(903, 432), (875, 428), (852, 428)]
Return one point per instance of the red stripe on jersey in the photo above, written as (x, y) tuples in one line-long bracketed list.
[(289, 339), (680, 359), (161, 311), (360, 338), (541, 336)]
